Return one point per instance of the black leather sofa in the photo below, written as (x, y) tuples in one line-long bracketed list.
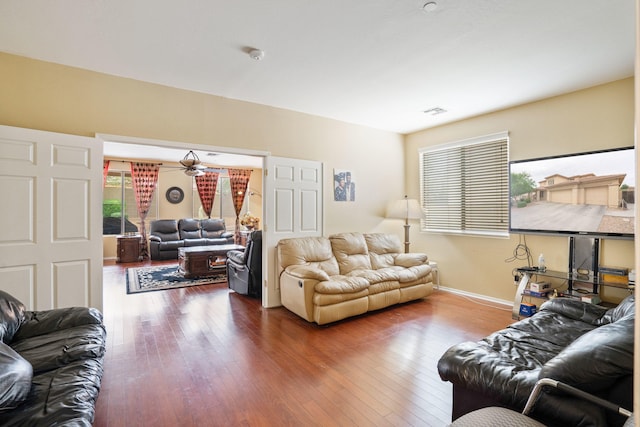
[(244, 268), (167, 235), (51, 364), (580, 344)]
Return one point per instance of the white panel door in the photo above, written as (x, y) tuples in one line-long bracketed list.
[(293, 208), (51, 239)]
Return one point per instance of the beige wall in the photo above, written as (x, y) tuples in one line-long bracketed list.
[(46, 96), (596, 118), (51, 97)]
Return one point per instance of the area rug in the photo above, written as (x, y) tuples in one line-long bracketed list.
[(144, 279)]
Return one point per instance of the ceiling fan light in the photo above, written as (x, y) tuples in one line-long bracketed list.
[(193, 172)]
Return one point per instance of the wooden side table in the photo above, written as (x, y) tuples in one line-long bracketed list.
[(128, 248)]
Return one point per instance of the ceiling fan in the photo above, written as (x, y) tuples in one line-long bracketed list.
[(192, 166)]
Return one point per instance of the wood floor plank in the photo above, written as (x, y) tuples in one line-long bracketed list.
[(206, 356)]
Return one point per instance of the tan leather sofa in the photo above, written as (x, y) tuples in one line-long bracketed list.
[(328, 279)]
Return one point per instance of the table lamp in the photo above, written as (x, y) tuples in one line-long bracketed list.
[(405, 209)]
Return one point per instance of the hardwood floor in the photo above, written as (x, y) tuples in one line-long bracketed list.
[(206, 356)]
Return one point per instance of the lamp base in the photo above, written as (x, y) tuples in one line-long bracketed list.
[(406, 238)]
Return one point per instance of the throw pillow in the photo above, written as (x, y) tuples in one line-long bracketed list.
[(15, 378)]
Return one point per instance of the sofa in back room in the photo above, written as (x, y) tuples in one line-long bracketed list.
[(51, 364), (167, 235), (577, 343), (325, 279)]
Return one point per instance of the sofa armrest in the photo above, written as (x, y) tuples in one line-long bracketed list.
[(236, 257), (154, 238), (307, 272), (226, 234), (411, 259), (296, 295), (575, 309), (43, 322)]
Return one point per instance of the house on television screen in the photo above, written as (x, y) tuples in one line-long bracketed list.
[(587, 189)]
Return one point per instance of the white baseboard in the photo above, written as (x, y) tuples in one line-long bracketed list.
[(476, 296)]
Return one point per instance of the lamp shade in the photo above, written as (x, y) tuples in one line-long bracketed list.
[(405, 209)]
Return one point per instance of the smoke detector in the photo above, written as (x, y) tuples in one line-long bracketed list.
[(430, 6), (256, 54)]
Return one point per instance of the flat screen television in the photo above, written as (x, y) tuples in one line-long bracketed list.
[(590, 194)]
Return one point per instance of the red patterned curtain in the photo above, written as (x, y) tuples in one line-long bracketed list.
[(239, 180), (207, 184), (145, 178), (105, 171)]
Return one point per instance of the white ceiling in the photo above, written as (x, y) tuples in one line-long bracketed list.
[(378, 63), (132, 151)]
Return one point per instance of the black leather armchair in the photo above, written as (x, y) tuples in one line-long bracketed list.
[(244, 269), (579, 344), (51, 364)]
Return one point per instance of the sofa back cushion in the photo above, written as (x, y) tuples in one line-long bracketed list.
[(189, 229), (311, 251), (213, 227), (383, 249), (597, 359), (165, 229), (350, 250), (626, 307), (12, 314)]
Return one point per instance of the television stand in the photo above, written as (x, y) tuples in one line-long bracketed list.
[(526, 273)]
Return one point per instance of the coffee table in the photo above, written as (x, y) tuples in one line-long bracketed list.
[(204, 261)]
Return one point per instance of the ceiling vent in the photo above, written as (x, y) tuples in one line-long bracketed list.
[(435, 111)]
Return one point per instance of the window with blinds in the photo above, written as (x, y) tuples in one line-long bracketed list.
[(465, 186)]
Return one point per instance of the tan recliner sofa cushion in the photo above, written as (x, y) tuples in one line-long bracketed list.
[(311, 251), (383, 249), (350, 250)]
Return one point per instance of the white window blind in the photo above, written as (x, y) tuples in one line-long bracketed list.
[(465, 186)]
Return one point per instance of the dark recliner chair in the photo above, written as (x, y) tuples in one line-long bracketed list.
[(244, 268), (164, 239)]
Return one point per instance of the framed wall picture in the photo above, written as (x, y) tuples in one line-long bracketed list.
[(344, 187)]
